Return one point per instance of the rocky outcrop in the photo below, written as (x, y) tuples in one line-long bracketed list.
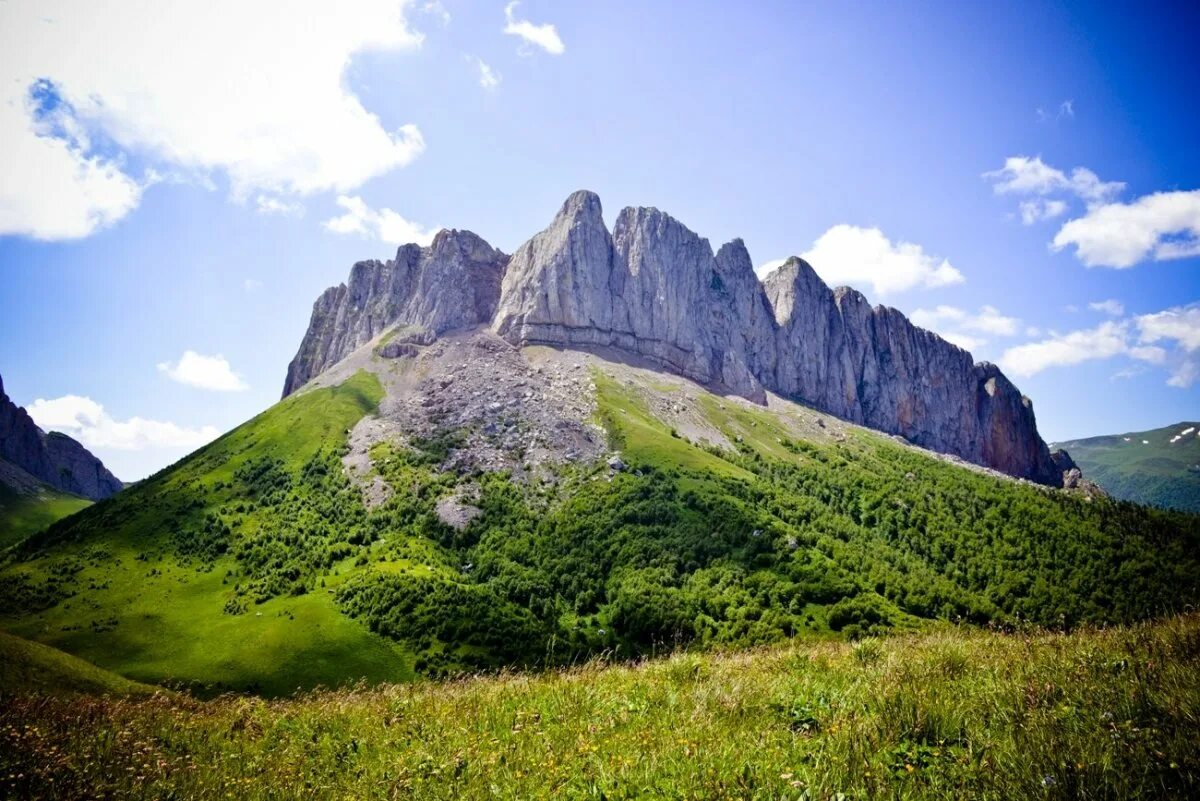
[(53, 458), (655, 289), (453, 283), (652, 288)]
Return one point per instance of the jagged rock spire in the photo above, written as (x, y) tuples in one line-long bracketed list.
[(655, 289)]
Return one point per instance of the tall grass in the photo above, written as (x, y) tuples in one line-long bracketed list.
[(951, 714)]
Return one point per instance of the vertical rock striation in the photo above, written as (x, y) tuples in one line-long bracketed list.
[(453, 283), (655, 289), (53, 458)]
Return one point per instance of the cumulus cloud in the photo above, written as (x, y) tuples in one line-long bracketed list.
[(382, 224), (1180, 324), (544, 36), (488, 77), (1168, 339), (204, 372), (1114, 307), (847, 254), (253, 91), (1160, 226), (87, 421), (1102, 342), (1023, 175)]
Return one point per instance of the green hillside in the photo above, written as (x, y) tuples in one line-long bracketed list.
[(253, 564), (23, 513), (30, 667), (1160, 467), (958, 713)]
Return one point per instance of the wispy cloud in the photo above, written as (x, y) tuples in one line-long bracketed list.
[(488, 78), (544, 36)]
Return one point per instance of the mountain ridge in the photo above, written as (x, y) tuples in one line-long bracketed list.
[(52, 458), (655, 289)]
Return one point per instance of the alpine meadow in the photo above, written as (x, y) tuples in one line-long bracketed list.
[(595, 507)]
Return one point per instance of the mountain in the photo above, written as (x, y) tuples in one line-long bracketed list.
[(1159, 467), (654, 291), (464, 504), (53, 459)]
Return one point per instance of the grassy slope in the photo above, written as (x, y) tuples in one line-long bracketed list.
[(22, 515), (30, 667), (949, 714), (1148, 468), (252, 564), (142, 613)]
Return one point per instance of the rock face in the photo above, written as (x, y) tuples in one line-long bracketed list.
[(453, 283), (53, 458), (655, 289)]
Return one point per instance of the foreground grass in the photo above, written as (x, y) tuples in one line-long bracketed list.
[(952, 714)]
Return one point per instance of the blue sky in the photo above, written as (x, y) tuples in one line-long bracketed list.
[(180, 187)]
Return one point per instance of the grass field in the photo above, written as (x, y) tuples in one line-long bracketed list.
[(30, 667), (952, 713), (135, 609), (22, 515)]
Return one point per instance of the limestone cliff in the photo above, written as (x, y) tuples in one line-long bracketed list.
[(655, 289)]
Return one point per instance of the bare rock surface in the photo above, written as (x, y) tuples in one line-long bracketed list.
[(53, 458), (653, 293)]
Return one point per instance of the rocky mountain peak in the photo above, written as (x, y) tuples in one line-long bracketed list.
[(54, 458), (654, 289)]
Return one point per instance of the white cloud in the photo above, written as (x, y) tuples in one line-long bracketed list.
[(255, 91), (544, 36), (85, 420), (267, 204), (204, 372), (847, 254), (1160, 226), (488, 77), (437, 10), (1180, 324), (52, 187), (1066, 108), (768, 267), (1034, 210), (989, 320), (384, 224), (252, 285), (1023, 175), (1169, 339), (964, 341), (1185, 374), (1105, 341), (953, 323), (1114, 307)]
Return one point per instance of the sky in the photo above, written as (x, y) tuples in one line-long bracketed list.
[(179, 182)]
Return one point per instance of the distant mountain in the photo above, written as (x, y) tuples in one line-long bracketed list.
[(1159, 467), (53, 459)]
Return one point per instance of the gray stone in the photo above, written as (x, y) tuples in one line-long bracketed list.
[(54, 458), (655, 290)]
